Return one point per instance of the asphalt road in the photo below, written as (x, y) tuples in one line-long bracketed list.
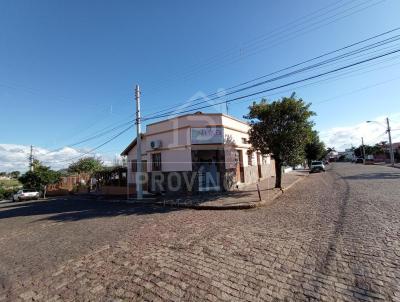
[(335, 236)]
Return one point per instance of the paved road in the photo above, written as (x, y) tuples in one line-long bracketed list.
[(332, 237)]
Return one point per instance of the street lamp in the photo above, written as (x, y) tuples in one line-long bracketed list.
[(388, 130)]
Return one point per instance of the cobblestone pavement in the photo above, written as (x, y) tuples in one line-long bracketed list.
[(333, 237)]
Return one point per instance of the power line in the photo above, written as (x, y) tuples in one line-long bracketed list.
[(228, 101), (111, 139), (376, 44), (358, 90), (295, 33), (94, 149), (292, 73), (298, 33), (89, 138), (280, 77), (287, 84), (101, 134), (380, 43), (342, 75), (288, 68), (228, 51)]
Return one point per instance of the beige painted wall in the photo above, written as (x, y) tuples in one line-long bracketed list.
[(176, 146)]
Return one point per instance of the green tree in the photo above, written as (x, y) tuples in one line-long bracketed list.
[(358, 152), (40, 178), (86, 165), (282, 128), (370, 150), (15, 174), (314, 149)]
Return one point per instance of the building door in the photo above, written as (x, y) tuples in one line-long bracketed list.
[(259, 165), (239, 166), (208, 170)]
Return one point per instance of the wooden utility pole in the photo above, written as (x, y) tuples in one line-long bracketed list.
[(390, 142)]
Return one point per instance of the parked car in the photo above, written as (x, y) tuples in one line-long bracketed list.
[(25, 195), (317, 166), (359, 160)]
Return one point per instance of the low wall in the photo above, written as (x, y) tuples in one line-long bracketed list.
[(251, 172), (268, 170)]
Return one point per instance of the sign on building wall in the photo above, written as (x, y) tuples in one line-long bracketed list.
[(209, 135)]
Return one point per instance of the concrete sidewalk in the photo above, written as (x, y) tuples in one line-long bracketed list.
[(244, 198)]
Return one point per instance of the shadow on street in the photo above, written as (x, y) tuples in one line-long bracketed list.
[(68, 209), (381, 175)]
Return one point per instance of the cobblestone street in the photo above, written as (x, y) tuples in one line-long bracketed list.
[(334, 236)]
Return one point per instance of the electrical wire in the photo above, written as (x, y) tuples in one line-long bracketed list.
[(341, 76), (285, 85), (297, 33), (94, 149), (362, 49), (284, 69)]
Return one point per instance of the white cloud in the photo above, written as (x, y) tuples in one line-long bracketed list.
[(15, 157), (345, 137)]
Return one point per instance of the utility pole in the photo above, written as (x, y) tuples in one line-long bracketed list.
[(31, 160), (363, 147), (139, 192), (390, 142)]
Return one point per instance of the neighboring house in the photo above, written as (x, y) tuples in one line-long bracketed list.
[(197, 152), (396, 151), (332, 155), (347, 154), (396, 147), (69, 184)]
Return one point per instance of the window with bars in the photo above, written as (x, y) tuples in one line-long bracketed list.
[(134, 165), (156, 161)]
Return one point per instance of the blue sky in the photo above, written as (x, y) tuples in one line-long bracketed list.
[(68, 68)]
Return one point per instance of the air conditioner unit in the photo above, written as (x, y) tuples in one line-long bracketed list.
[(155, 144)]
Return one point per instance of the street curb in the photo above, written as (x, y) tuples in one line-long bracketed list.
[(249, 206), (252, 205)]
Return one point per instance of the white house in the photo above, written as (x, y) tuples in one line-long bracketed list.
[(197, 152)]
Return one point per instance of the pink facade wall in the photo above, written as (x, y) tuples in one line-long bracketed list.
[(176, 148)]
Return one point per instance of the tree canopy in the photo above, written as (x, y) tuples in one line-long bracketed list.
[(86, 165), (40, 177), (13, 174), (283, 128), (314, 149), (376, 149)]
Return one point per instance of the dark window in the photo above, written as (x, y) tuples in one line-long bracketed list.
[(156, 161), (250, 158), (244, 140), (134, 165)]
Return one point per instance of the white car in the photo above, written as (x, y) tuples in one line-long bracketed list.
[(317, 166), (25, 195)]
